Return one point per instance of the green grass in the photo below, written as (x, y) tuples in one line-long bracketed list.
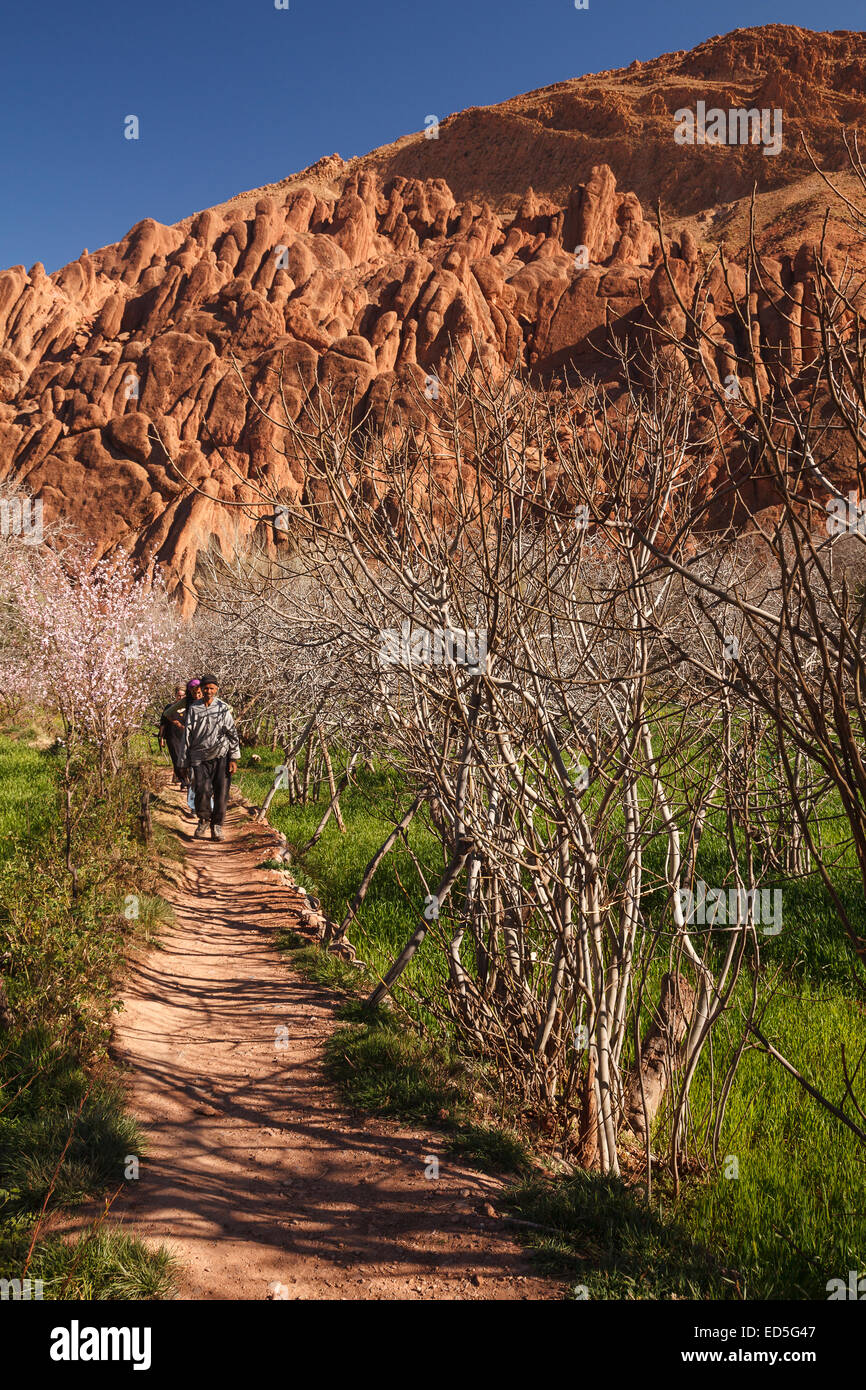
[(383, 1064), (796, 1215), (322, 966), (384, 1067), (64, 1133), (494, 1148), (610, 1244), (61, 1104), (27, 801), (100, 1265), (333, 870)]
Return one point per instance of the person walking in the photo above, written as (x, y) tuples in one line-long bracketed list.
[(193, 693), (211, 749), (170, 734)]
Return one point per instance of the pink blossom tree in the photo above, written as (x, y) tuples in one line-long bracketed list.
[(98, 638), (90, 640)]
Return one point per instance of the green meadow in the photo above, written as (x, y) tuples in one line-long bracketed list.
[(777, 1213)]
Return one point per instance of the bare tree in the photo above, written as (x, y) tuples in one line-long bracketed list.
[(508, 652)]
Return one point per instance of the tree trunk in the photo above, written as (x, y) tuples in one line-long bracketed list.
[(332, 786), (587, 1136), (68, 816), (646, 1084), (262, 813)]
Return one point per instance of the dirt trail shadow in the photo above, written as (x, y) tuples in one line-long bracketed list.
[(255, 1171)]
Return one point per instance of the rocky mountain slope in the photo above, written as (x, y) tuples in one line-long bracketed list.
[(360, 276)]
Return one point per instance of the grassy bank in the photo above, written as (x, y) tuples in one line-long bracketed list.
[(784, 1208), (65, 1137)]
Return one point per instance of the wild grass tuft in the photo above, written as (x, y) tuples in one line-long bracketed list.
[(99, 1265), (601, 1235)]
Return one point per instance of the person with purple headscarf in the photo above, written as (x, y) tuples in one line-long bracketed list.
[(171, 733), (171, 728)]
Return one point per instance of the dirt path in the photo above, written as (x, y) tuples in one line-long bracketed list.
[(255, 1170)]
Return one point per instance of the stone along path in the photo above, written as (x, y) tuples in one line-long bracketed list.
[(255, 1171)]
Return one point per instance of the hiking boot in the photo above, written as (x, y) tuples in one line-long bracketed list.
[(201, 830), (216, 832)]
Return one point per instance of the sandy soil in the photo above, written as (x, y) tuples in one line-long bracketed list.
[(255, 1170)]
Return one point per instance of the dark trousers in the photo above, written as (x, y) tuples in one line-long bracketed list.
[(175, 752), (212, 779)]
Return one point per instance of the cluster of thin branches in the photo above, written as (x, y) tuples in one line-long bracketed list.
[(543, 608)]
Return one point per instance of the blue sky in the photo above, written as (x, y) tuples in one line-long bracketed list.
[(232, 94)]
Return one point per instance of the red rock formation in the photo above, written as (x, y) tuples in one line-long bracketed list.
[(126, 376)]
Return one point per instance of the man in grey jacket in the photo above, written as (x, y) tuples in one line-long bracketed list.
[(211, 749)]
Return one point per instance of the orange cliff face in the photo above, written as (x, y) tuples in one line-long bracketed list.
[(508, 235)]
